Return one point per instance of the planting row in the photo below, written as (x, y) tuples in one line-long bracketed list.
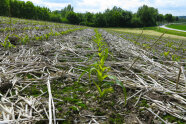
[(163, 48), (12, 40)]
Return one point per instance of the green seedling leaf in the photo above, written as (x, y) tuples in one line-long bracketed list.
[(110, 83), (166, 53), (102, 61), (112, 77), (90, 72), (100, 75), (119, 83), (106, 68), (106, 91), (81, 76), (105, 76), (100, 54), (98, 88)]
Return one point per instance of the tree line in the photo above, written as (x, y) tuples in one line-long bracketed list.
[(115, 17), (21, 9)]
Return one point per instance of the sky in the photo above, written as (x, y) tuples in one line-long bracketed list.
[(175, 7)]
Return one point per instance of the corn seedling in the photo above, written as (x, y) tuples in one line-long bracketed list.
[(179, 47), (6, 44), (101, 70), (176, 57), (169, 44), (37, 38), (46, 36), (24, 40), (146, 46), (184, 50), (166, 53), (6, 29), (99, 67), (56, 34), (104, 91), (37, 28)]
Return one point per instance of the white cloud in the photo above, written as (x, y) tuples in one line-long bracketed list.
[(101, 5), (165, 6), (170, 3), (55, 6), (176, 7)]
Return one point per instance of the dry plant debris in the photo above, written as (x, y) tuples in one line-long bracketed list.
[(39, 79)]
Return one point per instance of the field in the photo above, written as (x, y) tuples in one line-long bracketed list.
[(167, 43), (178, 26), (52, 72), (171, 32), (153, 31)]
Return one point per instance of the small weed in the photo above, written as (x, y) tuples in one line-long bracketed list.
[(144, 103), (173, 119), (116, 119)]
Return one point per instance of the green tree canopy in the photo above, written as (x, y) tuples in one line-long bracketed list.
[(67, 9), (29, 10), (4, 7), (72, 17), (115, 17), (100, 20), (147, 15), (160, 18), (89, 17), (168, 17)]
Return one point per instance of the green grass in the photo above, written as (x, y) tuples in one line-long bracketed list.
[(162, 30), (177, 26), (152, 31)]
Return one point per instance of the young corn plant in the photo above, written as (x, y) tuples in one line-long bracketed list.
[(176, 57), (99, 68), (46, 36), (24, 40), (146, 46), (6, 44), (37, 38), (102, 73), (169, 44), (166, 54)]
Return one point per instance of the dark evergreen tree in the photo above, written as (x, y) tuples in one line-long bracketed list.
[(4, 8), (100, 20), (160, 18), (72, 17), (168, 17), (29, 10), (177, 19)]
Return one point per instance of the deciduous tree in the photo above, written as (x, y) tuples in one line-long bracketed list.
[(147, 15)]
